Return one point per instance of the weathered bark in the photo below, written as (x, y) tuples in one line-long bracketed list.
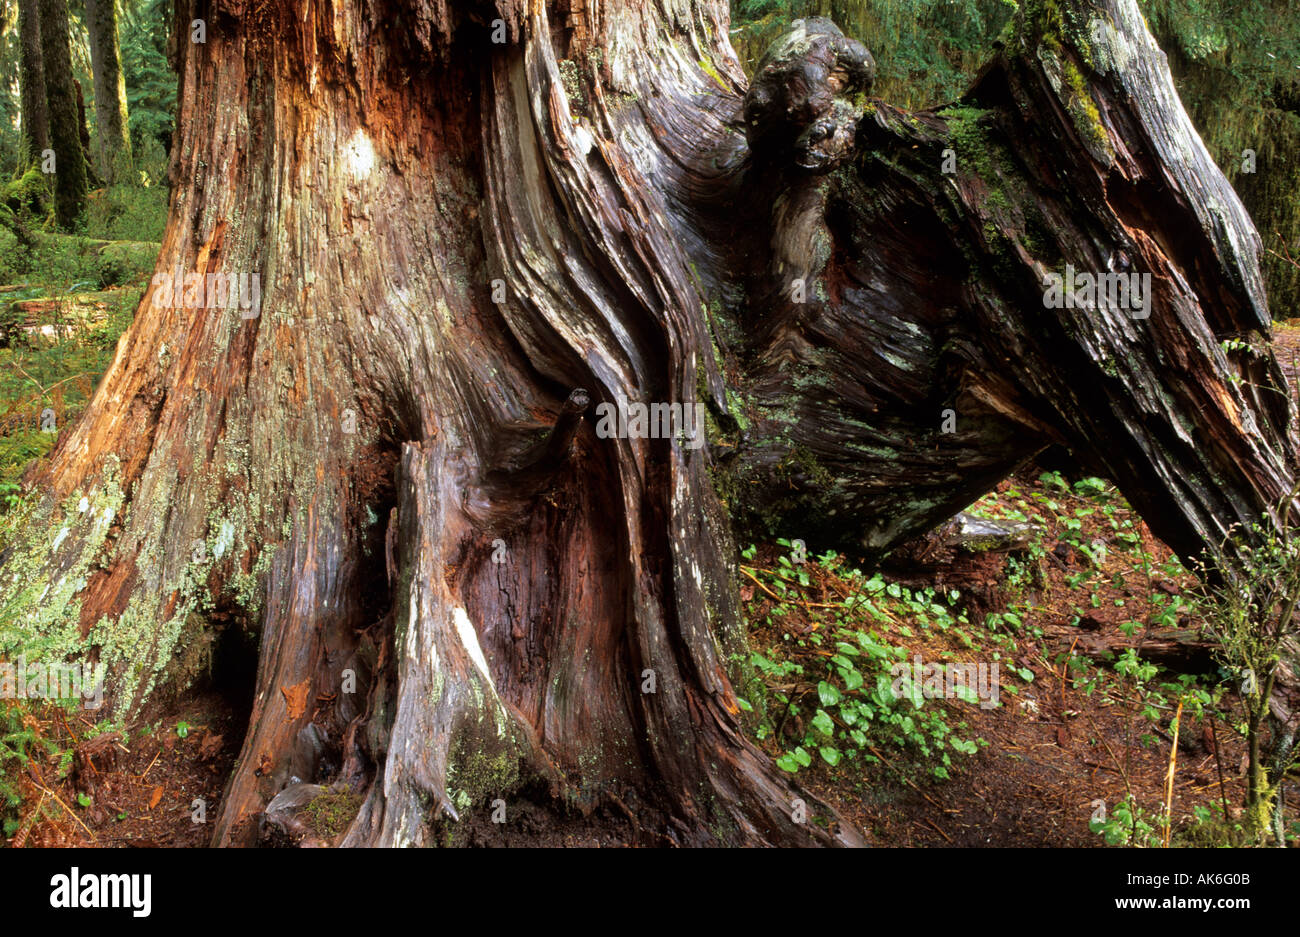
[(384, 476), (112, 135), (36, 121), (61, 104), (1052, 169)]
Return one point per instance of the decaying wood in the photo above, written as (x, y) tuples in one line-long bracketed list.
[(1177, 652), (454, 233)]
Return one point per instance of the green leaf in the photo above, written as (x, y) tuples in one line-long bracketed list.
[(884, 695), (828, 694), (823, 723), (830, 755)]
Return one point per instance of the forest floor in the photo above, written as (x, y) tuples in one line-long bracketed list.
[(1082, 723), (1090, 621), (1096, 629)]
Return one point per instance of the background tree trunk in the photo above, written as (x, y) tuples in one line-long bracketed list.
[(61, 100), (112, 135), (83, 132), (36, 121), (471, 227)]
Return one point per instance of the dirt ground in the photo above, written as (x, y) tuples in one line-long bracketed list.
[(159, 789), (1053, 752)]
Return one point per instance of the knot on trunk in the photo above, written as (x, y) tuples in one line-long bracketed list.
[(797, 107)]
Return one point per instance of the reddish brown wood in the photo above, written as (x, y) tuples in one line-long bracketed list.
[(383, 476)]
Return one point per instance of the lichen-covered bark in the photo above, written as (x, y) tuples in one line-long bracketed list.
[(457, 584)]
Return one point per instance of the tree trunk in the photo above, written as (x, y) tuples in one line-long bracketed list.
[(398, 471), (83, 133), (61, 100), (36, 121), (112, 136)]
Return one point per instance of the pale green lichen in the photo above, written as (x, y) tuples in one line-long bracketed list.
[(53, 554), (485, 760), (571, 79)]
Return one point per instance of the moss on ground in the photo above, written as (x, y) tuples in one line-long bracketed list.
[(332, 812)]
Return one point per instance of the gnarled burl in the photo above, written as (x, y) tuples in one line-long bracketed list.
[(470, 593)]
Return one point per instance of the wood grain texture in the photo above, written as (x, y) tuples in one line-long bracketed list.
[(453, 235)]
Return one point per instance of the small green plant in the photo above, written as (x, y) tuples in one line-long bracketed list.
[(20, 740), (846, 705), (1129, 825), (183, 729), (1209, 829), (1250, 610)]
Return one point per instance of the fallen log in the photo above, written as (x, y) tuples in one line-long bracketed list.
[(1181, 651)]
